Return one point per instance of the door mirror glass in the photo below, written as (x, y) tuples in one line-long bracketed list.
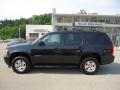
[(41, 43)]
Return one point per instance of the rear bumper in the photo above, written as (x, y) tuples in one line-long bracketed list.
[(7, 60), (107, 59)]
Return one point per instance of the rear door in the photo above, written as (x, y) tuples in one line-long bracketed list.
[(94, 42), (72, 48)]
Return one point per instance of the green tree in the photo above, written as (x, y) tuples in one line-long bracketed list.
[(9, 28)]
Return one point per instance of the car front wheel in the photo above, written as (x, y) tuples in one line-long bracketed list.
[(20, 64)]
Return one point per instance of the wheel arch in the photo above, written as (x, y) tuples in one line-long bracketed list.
[(15, 54), (88, 54)]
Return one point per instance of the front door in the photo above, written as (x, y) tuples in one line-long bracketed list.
[(49, 52)]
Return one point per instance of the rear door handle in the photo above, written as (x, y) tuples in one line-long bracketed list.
[(57, 50), (79, 47)]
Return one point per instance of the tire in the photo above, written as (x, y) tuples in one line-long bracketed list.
[(89, 65), (20, 65)]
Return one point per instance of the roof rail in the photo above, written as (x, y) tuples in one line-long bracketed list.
[(77, 29)]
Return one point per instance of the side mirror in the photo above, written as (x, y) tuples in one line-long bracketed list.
[(41, 43)]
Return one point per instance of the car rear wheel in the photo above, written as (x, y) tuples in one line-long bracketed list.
[(20, 64), (89, 65)]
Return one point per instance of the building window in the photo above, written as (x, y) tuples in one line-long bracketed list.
[(111, 20), (76, 19), (33, 35), (67, 19), (59, 28), (101, 19), (117, 20), (84, 19), (92, 19), (60, 19)]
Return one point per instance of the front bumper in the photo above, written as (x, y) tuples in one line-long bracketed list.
[(107, 59), (7, 60)]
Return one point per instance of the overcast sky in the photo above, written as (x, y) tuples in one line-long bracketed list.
[(14, 9)]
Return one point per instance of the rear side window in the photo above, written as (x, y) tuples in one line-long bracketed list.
[(108, 40), (72, 39), (95, 39)]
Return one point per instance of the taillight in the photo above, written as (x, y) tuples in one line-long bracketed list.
[(109, 50), (113, 49)]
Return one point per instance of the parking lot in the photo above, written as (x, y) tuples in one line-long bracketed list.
[(60, 78)]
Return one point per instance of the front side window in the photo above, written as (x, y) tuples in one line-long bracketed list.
[(51, 39)]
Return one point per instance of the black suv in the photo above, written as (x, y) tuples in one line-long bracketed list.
[(87, 49)]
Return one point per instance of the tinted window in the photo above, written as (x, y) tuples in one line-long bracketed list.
[(92, 38), (52, 39), (72, 39), (100, 39)]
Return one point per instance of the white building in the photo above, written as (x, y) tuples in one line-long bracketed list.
[(109, 24), (34, 31), (104, 23)]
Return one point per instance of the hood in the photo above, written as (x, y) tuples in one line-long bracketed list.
[(14, 43), (22, 46)]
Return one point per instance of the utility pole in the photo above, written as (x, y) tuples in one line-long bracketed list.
[(19, 32)]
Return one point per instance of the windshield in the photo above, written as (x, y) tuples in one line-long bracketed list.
[(38, 39)]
